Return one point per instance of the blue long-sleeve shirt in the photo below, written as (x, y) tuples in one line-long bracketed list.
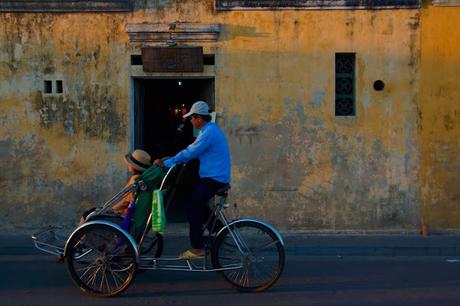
[(211, 148)]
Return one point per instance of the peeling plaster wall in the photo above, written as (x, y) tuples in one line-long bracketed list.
[(440, 117), (60, 154), (295, 164)]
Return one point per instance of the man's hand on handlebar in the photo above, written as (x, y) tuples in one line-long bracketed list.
[(158, 162)]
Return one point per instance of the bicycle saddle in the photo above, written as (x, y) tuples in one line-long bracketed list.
[(223, 191)]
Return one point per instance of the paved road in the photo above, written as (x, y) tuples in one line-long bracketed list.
[(33, 279)]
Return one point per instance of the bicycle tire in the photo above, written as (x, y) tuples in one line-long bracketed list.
[(262, 262), (100, 260)]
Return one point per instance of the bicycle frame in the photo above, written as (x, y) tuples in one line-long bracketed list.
[(189, 265)]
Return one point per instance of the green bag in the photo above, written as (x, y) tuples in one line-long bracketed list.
[(152, 177), (158, 212), (141, 211)]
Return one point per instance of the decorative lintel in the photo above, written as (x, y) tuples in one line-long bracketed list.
[(446, 2), (177, 32)]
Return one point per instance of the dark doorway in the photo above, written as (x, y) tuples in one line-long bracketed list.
[(160, 129), (159, 105)]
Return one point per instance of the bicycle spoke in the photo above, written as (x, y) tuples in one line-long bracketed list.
[(230, 259), (107, 282), (243, 276), (91, 265), (114, 277), (269, 244), (237, 275), (259, 278), (87, 269), (92, 279), (101, 285), (263, 275)]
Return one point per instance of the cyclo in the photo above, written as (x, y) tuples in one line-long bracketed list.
[(104, 254)]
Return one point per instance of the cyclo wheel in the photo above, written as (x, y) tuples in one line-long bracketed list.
[(101, 260), (262, 259)]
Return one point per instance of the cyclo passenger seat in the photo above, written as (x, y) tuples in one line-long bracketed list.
[(223, 191)]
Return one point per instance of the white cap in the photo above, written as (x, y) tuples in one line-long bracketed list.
[(199, 108)]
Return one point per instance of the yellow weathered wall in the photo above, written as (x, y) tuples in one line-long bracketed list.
[(294, 163), (60, 154), (301, 166), (440, 116)]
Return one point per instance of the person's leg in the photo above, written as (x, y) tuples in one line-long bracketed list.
[(195, 210), (207, 211)]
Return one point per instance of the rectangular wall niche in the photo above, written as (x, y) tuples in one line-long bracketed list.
[(316, 4), (48, 87), (66, 6), (59, 87)]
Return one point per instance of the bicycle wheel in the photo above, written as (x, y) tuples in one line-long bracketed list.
[(260, 262), (101, 260)]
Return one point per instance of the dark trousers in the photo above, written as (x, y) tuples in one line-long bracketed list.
[(198, 210)]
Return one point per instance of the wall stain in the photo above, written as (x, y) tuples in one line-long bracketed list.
[(47, 62), (246, 133), (448, 122), (93, 112), (350, 24), (413, 43)]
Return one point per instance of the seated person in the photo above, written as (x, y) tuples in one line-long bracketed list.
[(137, 161)]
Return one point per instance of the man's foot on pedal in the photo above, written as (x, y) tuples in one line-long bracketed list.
[(192, 254)]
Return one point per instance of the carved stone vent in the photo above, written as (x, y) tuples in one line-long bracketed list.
[(345, 84)]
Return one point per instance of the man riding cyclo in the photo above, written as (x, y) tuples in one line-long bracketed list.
[(212, 150)]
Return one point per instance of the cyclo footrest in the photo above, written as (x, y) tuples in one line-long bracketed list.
[(48, 241)]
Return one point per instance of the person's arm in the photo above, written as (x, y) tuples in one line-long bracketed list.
[(122, 206), (192, 151)]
